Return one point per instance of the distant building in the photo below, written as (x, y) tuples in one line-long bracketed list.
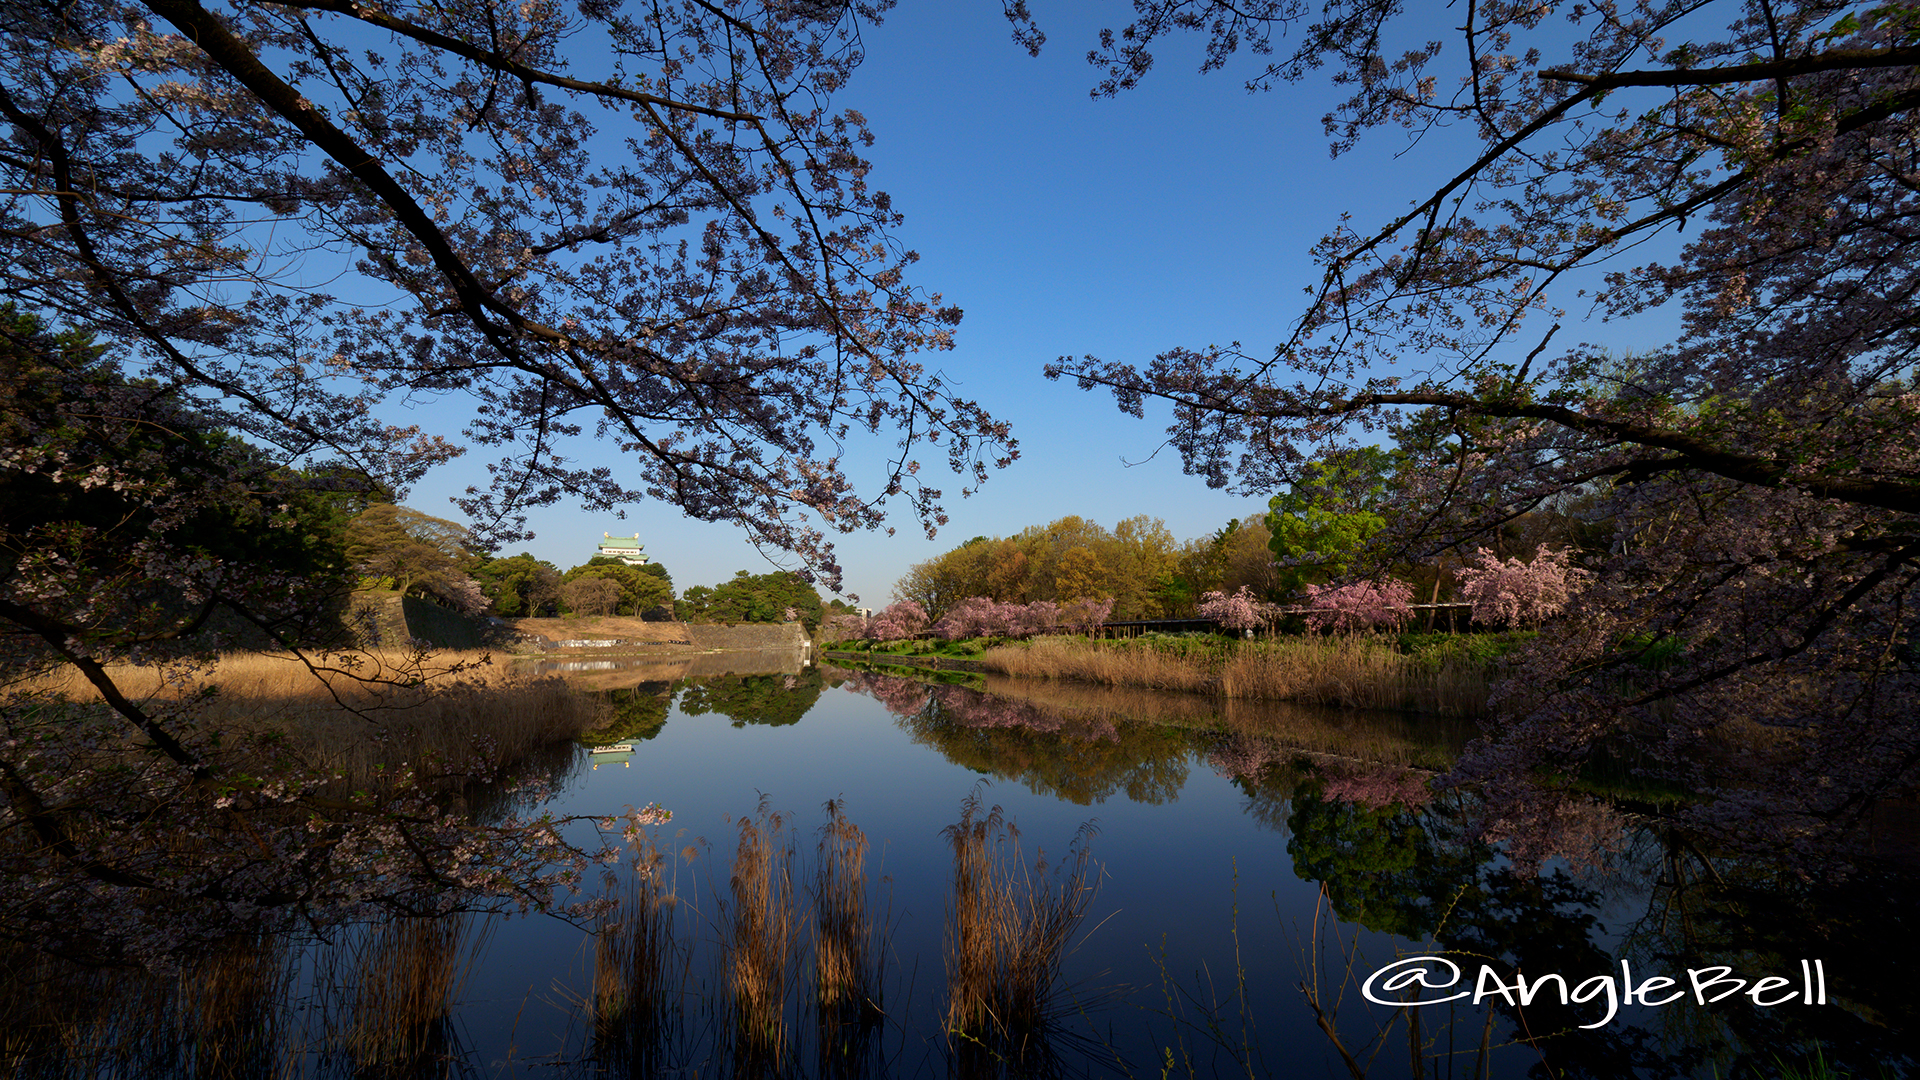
[(625, 548)]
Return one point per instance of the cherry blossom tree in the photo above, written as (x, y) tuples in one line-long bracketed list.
[(1360, 605), (983, 616), (468, 597), (843, 628), (1377, 787), (976, 616), (1240, 611), (1515, 593), (898, 621), (1085, 616), (649, 226), (1038, 617), (1748, 166)]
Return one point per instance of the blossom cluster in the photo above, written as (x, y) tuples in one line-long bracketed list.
[(1515, 593), (1240, 611), (898, 621), (1362, 605), (843, 628), (1243, 756), (1379, 787), (980, 616), (901, 697)]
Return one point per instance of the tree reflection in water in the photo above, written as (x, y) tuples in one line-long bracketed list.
[(1082, 759), (634, 713), (1086, 744), (772, 700)]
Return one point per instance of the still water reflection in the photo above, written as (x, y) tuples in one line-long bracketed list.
[(1255, 865)]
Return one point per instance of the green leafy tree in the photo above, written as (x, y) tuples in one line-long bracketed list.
[(946, 579), (696, 604), (322, 501), (638, 590), (1138, 564), (635, 713), (1079, 575), (520, 585), (412, 551), (763, 598), (1321, 526), (150, 522)]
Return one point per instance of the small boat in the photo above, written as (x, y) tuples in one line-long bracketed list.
[(607, 753)]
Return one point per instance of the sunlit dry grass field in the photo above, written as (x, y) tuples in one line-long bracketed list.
[(354, 714), (1343, 671)]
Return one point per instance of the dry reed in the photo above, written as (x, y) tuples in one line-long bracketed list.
[(847, 976), (847, 954), (643, 963), (223, 1015), (1007, 930), (1342, 670), (641, 966), (231, 1007), (408, 972), (760, 942), (1095, 662), (374, 1002), (366, 715), (1355, 673)]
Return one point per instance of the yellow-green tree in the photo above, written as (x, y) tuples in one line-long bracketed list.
[(409, 550), (1137, 564), (1078, 575)]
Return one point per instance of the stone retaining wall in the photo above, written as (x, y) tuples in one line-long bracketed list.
[(747, 636), (395, 619), (688, 637)]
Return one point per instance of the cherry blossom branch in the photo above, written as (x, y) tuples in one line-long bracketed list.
[(1831, 60), (507, 65)]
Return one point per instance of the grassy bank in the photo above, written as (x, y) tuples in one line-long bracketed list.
[(964, 649), (1431, 674), (361, 715)]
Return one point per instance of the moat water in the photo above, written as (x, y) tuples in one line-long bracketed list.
[(1257, 874)]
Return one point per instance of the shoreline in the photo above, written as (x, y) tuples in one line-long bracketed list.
[(1346, 672)]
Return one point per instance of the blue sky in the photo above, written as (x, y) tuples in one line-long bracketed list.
[(1180, 213)]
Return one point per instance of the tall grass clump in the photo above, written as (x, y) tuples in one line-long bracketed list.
[(1354, 672), (230, 1007), (1088, 661), (223, 1015), (640, 966), (408, 972), (1007, 930), (846, 956), (760, 942)]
